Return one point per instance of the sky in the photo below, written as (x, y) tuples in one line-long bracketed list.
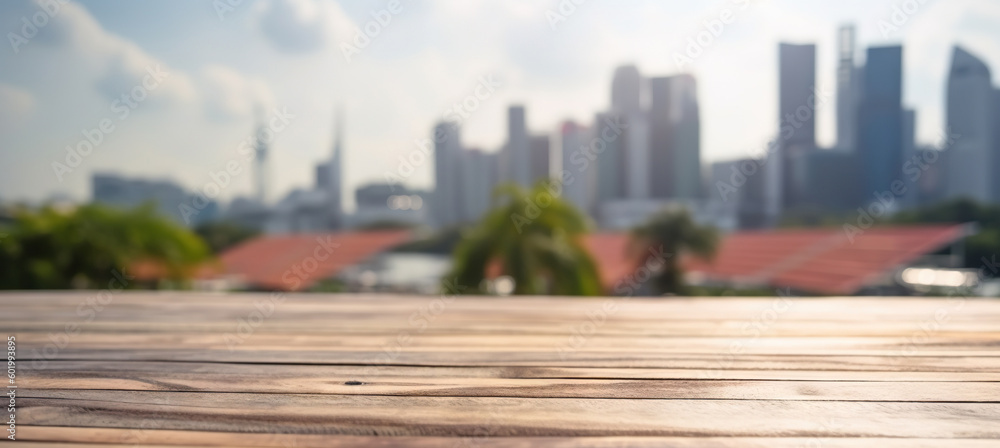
[(198, 74)]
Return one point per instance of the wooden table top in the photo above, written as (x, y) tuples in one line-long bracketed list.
[(198, 369)]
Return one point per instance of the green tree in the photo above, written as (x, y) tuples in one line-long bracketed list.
[(663, 239), (534, 237), (87, 246), (221, 235), (981, 248)]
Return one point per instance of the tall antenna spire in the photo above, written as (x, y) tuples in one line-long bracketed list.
[(334, 186), (261, 153)]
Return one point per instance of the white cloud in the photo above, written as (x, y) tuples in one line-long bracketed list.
[(116, 65), (17, 106), (301, 26), (228, 94)]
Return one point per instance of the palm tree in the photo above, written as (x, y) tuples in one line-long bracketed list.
[(532, 236), (661, 241)]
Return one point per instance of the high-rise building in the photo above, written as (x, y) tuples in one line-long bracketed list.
[(797, 116), (847, 90), (674, 138), (911, 198), (996, 146), (541, 156), (970, 117), (880, 119), (661, 156), (479, 177), (383, 203), (610, 162), (518, 147), (929, 186), (447, 191), (627, 103), (636, 146), (322, 175), (578, 172), (830, 180), (685, 130), (626, 90), (168, 198), (748, 198)]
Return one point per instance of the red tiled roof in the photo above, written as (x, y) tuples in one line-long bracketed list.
[(822, 260), (294, 262), (610, 253), (816, 260)]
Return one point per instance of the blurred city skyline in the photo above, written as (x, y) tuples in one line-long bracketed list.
[(221, 67)]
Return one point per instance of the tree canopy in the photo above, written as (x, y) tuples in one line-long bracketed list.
[(664, 238), (534, 237), (88, 246)]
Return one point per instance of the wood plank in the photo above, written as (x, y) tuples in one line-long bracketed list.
[(978, 345), (152, 436), (326, 370), (710, 363), (170, 371), (432, 386), (507, 417)]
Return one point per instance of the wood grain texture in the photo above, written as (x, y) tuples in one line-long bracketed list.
[(191, 369)]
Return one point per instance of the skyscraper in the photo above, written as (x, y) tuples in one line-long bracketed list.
[(970, 117), (674, 138), (880, 126), (661, 156), (166, 196), (626, 90), (685, 130), (447, 191), (578, 172), (797, 116), (541, 156), (636, 146), (478, 177), (996, 146), (911, 198), (518, 147), (610, 162), (627, 103), (847, 90)]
